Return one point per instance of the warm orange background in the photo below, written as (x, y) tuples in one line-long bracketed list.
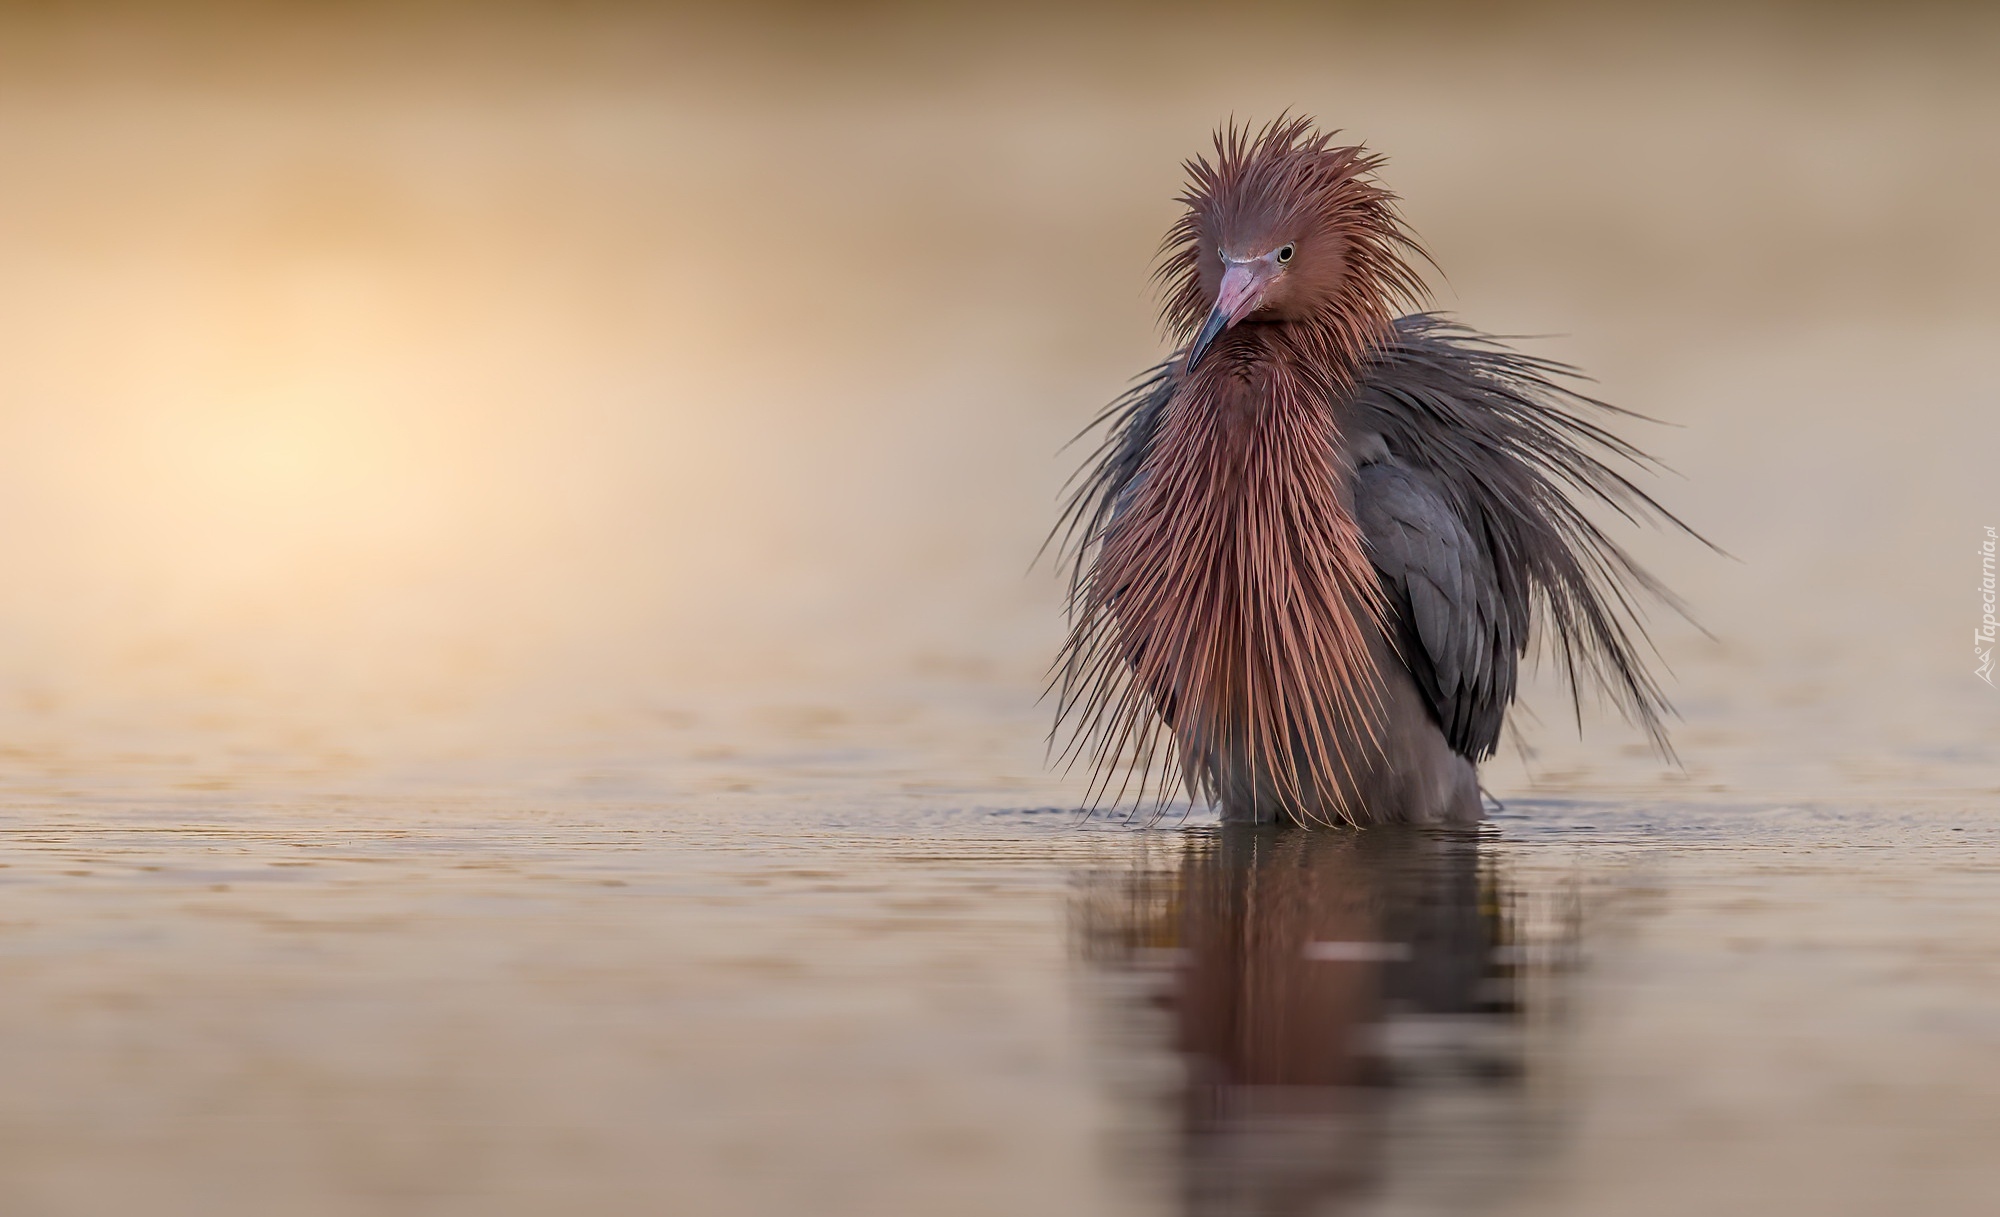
[(436, 379)]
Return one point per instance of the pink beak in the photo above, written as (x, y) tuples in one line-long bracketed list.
[(1241, 292)]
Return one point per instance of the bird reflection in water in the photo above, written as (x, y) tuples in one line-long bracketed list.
[(1355, 1016)]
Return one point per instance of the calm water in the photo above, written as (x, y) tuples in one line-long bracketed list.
[(446, 1007), (518, 687)]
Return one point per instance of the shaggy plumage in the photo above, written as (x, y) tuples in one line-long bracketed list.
[(1311, 551)]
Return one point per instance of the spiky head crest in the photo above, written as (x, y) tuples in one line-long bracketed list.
[(1349, 273)]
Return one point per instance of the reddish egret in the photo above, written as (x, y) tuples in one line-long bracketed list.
[(1311, 550)]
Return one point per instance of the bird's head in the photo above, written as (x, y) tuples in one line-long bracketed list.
[(1286, 226)]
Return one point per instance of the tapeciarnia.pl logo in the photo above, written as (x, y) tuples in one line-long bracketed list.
[(1982, 638)]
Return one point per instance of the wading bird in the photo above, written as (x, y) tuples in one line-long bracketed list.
[(1310, 553)]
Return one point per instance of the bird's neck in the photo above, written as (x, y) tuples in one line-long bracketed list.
[(1268, 362), (1276, 379)]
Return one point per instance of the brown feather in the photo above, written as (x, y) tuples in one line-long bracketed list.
[(1230, 602)]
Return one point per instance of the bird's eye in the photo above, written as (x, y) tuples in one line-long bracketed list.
[(1285, 255)]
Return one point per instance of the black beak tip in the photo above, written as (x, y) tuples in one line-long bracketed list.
[(1217, 322)]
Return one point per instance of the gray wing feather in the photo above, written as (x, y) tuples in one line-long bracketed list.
[(1500, 449), (1458, 634)]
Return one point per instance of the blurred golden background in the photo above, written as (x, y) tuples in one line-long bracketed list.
[(420, 377)]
